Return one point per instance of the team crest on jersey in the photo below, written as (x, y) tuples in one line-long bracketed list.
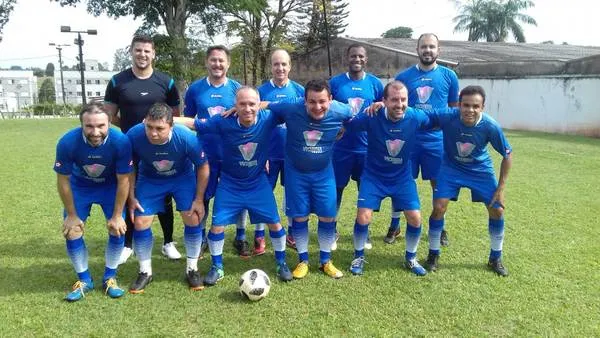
[(464, 149), (355, 104), (248, 150), (163, 165), (212, 111), (94, 170), (394, 147), (312, 137), (424, 93)]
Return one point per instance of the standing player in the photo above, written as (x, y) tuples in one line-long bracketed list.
[(92, 165), (467, 163), (128, 97), (206, 97), (243, 184), (359, 89), (280, 87), (392, 134), (430, 86), (171, 162)]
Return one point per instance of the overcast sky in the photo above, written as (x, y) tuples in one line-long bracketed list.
[(35, 23)]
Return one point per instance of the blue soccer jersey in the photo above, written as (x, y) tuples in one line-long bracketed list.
[(245, 149), (91, 166), (134, 96), (203, 100), (173, 159), (390, 143), (310, 142), (465, 148), (269, 91), (433, 89), (359, 94)]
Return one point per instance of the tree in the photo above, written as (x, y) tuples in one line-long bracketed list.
[(6, 6), (49, 69), (38, 72), (398, 32), (493, 20), (122, 59), (310, 30), (16, 68), (47, 93)]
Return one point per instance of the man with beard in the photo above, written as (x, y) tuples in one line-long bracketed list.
[(92, 166), (128, 97), (358, 89), (430, 86)]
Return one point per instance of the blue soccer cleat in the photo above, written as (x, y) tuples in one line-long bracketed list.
[(414, 267), (112, 289), (79, 290), (214, 275), (284, 273), (357, 266)]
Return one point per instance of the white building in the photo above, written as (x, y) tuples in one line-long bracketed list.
[(95, 83), (18, 89)]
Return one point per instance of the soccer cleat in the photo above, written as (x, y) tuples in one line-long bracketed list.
[(290, 241), (204, 247), (125, 254), (391, 236), (334, 245), (431, 263), (170, 251), (259, 246), (330, 270), (368, 244), (414, 267), (79, 290), (497, 266), (242, 248), (142, 280), (112, 289), (444, 241), (357, 265), (284, 273), (194, 280), (301, 270), (214, 275)]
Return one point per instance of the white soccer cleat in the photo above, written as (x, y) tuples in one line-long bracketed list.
[(125, 254), (170, 251)]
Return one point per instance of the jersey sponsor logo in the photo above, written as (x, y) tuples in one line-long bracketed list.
[(144, 93), (355, 104), (312, 137), (247, 150), (212, 111), (163, 165), (215, 96), (464, 149), (94, 170), (424, 93), (394, 147)]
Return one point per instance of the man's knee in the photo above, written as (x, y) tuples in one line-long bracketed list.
[(413, 217), (364, 216), (439, 208), (326, 219), (496, 213)]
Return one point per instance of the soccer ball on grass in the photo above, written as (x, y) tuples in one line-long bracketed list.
[(255, 285)]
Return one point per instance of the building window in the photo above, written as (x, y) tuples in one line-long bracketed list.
[(70, 93), (89, 94), (78, 93), (78, 82), (69, 81), (98, 94), (88, 81), (11, 81), (97, 81)]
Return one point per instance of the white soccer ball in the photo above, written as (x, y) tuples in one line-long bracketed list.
[(255, 284)]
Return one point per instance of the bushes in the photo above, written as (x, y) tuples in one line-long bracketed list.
[(53, 109)]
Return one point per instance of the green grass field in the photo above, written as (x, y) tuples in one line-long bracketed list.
[(551, 250)]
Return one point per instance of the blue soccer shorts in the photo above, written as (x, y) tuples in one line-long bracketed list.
[(213, 179), (85, 197), (276, 168), (347, 165), (310, 192), (151, 193), (451, 180), (402, 191), (426, 157)]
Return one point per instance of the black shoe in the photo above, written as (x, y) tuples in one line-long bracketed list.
[(497, 266), (391, 235), (242, 247), (431, 263), (194, 280), (138, 286), (444, 241), (203, 248)]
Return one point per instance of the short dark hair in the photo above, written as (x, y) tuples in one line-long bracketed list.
[(427, 34), (356, 45), (218, 47), (93, 108), (159, 111), (472, 90), (317, 85), (143, 39), (390, 85)]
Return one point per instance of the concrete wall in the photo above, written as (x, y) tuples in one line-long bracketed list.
[(552, 104)]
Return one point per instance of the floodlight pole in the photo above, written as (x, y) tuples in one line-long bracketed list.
[(79, 42), (327, 36)]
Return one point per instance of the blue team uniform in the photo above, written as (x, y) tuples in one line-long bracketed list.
[(166, 169), (203, 100), (269, 91), (433, 89), (309, 147), (387, 168), (349, 151), (466, 161), (243, 184), (93, 170)]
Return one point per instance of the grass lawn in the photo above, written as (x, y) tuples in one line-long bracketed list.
[(551, 250)]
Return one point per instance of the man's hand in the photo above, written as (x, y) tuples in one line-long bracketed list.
[(340, 133), (132, 205), (498, 197), (116, 226), (373, 108), (72, 223), (229, 112), (197, 208)]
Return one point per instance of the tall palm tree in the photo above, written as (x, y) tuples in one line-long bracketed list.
[(493, 20)]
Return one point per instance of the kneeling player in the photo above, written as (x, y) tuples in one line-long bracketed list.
[(93, 163), (167, 156)]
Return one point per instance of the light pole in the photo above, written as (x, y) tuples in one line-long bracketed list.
[(79, 42), (62, 80)]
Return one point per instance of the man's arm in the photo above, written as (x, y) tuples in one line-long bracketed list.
[(132, 202), (505, 166), (72, 221), (113, 110), (186, 121), (202, 173), (116, 224)]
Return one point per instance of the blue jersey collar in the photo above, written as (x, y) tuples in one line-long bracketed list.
[(385, 111), (421, 70), (276, 86), (221, 85), (363, 77)]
